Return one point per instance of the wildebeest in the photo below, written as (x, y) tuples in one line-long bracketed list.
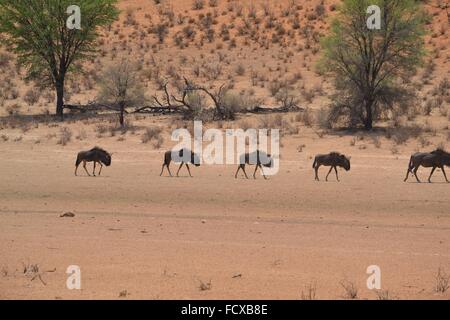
[(168, 158), (333, 159), (96, 155), (435, 159), (258, 158)]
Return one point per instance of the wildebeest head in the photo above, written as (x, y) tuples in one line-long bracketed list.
[(345, 162), (444, 156), (266, 160), (105, 157), (195, 159)]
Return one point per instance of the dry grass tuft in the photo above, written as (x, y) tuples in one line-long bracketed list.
[(442, 281), (351, 291)]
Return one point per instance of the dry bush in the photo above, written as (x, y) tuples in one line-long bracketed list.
[(161, 30), (240, 69), (287, 98), (309, 95), (13, 94), (306, 117), (310, 292), (442, 281), (32, 97), (278, 122), (213, 3), (401, 135), (5, 59), (49, 96), (244, 124), (444, 110), (101, 129), (320, 10), (82, 135), (351, 291), (287, 128), (13, 109), (275, 86), (324, 119), (233, 103), (65, 135), (271, 121), (154, 136), (198, 4), (384, 295), (204, 286), (376, 142)]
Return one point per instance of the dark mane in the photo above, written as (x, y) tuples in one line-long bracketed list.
[(439, 151), (334, 153), (100, 149)]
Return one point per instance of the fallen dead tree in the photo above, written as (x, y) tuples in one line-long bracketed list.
[(222, 108)]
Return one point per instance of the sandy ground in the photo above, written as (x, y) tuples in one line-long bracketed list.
[(136, 235), (159, 237)]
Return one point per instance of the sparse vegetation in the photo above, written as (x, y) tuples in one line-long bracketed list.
[(65, 136), (205, 286), (154, 136), (310, 292), (350, 290), (442, 281)]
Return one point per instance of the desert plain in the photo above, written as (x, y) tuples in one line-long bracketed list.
[(138, 235)]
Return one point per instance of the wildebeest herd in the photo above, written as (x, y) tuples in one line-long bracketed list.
[(438, 158)]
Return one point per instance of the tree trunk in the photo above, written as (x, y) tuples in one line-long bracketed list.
[(368, 122), (60, 98), (121, 115)]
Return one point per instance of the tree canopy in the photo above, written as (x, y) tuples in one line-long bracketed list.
[(37, 32), (368, 64)]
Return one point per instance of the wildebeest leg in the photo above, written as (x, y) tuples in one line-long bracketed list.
[(93, 172), (335, 169), (189, 170), (162, 169), (317, 172), (243, 169), (443, 171), (410, 167), (326, 179), (415, 173), (432, 171), (407, 174), (181, 165), (237, 171), (262, 171), (85, 169), (101, 167), (76, 169), (254, 173)]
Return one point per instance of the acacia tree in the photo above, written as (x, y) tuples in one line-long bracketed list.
[(368, 64), (120, 87), (36, 31)]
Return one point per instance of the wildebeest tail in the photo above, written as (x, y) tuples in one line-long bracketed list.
[(78, 161)]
